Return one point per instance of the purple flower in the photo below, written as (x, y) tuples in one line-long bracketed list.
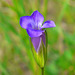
[(35, 28)]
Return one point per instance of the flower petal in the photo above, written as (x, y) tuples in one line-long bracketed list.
[(36, 41), (38, 19), (48, 24), (34, 33), (43, 38), (26, 22)]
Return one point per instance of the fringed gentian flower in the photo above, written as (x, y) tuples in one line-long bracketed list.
[(36, 30)]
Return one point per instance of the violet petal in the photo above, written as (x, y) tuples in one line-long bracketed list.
[(26, 22), (44, 38), (48, 24), (38, 19), (34, 33), (36, 41)]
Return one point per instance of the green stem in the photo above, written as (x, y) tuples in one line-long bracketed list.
[(42, 73)]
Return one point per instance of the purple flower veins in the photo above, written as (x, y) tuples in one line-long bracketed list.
[(34, 26)]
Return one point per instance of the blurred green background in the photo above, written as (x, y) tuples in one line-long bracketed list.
[(15, 54)]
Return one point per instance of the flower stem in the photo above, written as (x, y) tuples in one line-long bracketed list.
[(42, 73)]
